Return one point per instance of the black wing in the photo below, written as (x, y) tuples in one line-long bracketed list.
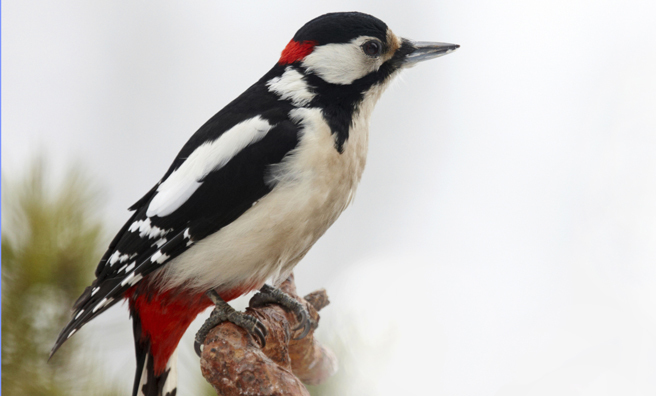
[(145, 243)]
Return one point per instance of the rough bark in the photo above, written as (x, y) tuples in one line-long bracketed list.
[(234, 363)]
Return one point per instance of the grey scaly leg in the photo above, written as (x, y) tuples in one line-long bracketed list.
[(223, 312), (271, 295)]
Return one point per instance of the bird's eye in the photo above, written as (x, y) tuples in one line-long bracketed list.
[(372, 48)]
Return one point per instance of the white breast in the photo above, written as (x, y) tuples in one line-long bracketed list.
[(314, 184)]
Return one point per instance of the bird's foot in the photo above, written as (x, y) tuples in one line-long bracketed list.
[(223, 312), (272, 295)]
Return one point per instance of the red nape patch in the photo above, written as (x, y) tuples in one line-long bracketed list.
[(166, 316), (295, 51)]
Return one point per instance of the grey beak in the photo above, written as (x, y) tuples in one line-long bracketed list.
[(424, 50)]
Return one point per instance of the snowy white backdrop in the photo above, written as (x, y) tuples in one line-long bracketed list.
[(509, 197)]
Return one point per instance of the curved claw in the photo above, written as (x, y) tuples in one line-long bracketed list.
[(304, 322), (255, 328), (260, 331), (262, 327), (197, 348), (302, 318), (269, 294), (225, 313)]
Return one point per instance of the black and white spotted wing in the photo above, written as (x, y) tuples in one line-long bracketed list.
[(215, 178)]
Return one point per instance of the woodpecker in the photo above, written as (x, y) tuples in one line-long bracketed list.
[(250, 193)]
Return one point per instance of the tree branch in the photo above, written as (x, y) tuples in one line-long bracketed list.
[(235, 365)]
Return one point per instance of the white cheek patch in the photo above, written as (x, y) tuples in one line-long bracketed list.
[(341, 63), (208, 157), (291, 86)]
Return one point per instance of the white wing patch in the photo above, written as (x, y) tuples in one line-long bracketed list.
[(160, 242), (291, 86), (208, 157), (128, 268), (146, 229), (120, 258), (159, 257)]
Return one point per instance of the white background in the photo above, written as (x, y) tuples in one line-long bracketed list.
[(503, 240)]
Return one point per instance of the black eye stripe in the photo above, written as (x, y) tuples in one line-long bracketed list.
[(372, 48)]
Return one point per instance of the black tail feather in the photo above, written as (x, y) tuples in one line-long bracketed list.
[(151, 385)]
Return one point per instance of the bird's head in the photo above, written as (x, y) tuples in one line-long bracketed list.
[(341, 63), (346, 47)]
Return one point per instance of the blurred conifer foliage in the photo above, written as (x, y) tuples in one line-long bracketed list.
[(51, 238)]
